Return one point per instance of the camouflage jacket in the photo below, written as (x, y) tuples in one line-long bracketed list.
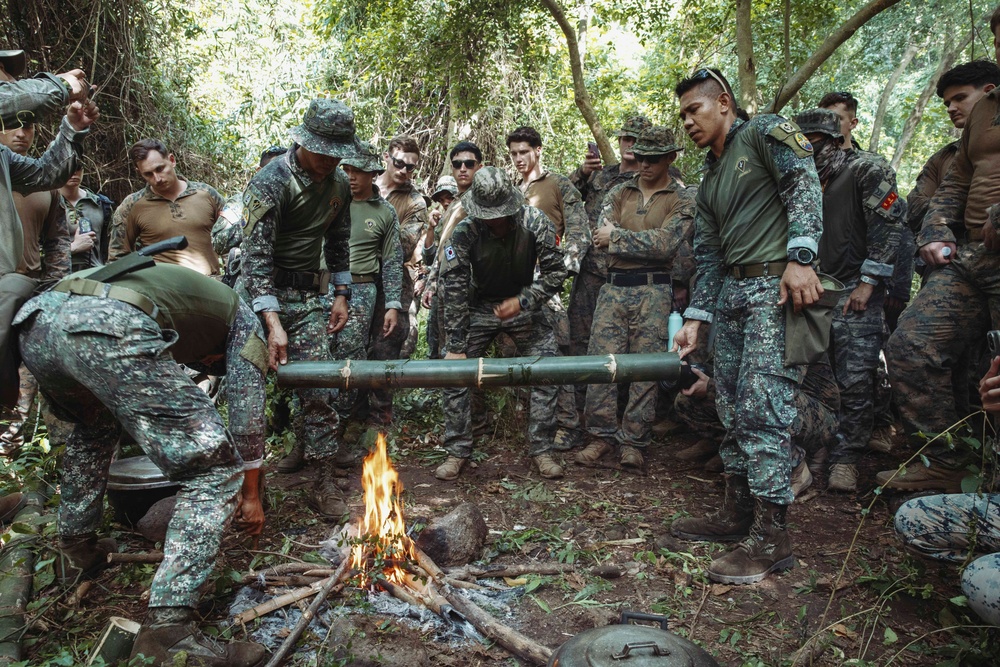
[(412, 224), (594, 189), (285, 215), (765, 176), (458, 282), (227, 232)]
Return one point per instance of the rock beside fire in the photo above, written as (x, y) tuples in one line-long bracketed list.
[(457, 538), (153, 526)]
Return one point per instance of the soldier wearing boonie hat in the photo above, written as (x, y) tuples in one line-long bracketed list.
[(445, 185), (488, 287), (594, 183), (295, 208)]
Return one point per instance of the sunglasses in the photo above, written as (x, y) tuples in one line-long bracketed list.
[(400, 164), (650, 159), (705, 73), (468, 164)]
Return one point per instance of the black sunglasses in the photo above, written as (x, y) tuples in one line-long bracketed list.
[(468, 164), (651, 159), (400, 164)]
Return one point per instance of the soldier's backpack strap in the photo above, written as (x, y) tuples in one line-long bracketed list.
[(142, 259)]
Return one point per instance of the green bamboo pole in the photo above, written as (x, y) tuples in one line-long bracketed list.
[(17, 564), (481, 372)]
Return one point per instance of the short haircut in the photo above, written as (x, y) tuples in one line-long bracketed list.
[(995, 20), (706, 76), (466, 147), (405, 144), (976, 73), (840, 97), (525, 133), (271, 153), (141, 149)]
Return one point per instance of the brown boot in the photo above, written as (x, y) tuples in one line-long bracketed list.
[(10, 505), (164, 643), (702, 450), (547, 466), (630, 457), (82, 556), (592, 453), (326, 497), (293, 461), (729, 523), (767, 549), (450, 469)]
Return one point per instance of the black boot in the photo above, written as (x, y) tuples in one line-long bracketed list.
[(168, 631), (729, 523), (767, 549)]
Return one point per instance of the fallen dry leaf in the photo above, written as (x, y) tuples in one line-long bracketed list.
[(720, 589)]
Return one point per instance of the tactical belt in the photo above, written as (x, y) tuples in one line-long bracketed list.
[(636, 279), (86, 287), (741, 271), (360, 279), (306, 280)]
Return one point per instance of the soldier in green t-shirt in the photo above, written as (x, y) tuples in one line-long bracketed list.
[(758, 225)]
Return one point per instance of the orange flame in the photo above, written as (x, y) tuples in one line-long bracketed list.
[(382, 529)]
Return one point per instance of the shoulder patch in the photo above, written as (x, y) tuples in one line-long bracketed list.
[(449, 253), (254, 208), (787, 133), (885, 201)]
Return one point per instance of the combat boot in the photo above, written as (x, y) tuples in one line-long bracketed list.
[(326, 497), (630, 457), (450, 469), (547, 466), (592, 453), (881, 440), (82, 556), (702, 450), (166, 636), (767, 549), (729, 523), (843, 477), (10, 505), (293, 461), (918, 477), (802, 479)]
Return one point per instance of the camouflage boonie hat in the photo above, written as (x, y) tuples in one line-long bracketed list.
[(656, 140), (445, 184), (327, 129), (14, 62), (822, 121), (492, 195), (366, 160), (633, 126)]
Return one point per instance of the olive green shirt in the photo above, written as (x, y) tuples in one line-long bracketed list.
[(375, 246)]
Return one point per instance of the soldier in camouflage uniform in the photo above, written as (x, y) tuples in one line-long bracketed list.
[(490, 286), (376, 259), (862, 220), (594, 183), (295, 209), (555, 196), (107, 353), (643, 223), (758, 225), (961, 296)]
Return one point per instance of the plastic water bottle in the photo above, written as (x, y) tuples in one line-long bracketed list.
[(674, 324)]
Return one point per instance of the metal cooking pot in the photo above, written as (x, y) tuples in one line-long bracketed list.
[(134, 484), (627, 645)]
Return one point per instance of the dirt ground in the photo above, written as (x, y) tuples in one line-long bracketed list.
[(861, 601)]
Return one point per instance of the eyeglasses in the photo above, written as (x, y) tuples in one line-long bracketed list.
[(705, 73), (400, 164), (650, 159), (468, 164)]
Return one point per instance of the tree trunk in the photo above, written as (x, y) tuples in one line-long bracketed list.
[(744, 54), (825, 50), (948, 55), (580, 94), (786, 18), (890, 85)]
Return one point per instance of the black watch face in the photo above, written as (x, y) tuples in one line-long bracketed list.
[(803, 256)]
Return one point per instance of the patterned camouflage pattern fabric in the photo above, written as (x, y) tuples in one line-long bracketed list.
[(352, 341), (100, 361), (948, 528)]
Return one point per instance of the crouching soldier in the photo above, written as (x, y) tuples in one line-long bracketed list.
[(105, 346)]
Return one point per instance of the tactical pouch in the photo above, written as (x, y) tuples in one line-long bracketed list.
[(807, 333), (15, 289)]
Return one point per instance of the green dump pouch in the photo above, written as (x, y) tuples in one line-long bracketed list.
[(807, 333), (15, 289)]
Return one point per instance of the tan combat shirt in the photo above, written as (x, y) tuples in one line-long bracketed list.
[(44, 229)]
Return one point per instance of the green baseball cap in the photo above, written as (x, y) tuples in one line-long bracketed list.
[(633, 126), (656, 140), (14, 62), (328, 129), (492, 195), (822, 121), (366, 160)]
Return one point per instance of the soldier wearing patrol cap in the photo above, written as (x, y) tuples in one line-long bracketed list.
[(862, 222), (757, 233), (295, 209), (644, 221), (489, 286)]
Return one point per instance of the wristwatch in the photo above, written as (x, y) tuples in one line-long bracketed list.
[(346, 293), (523, 302), (803, 256), (868, 280)]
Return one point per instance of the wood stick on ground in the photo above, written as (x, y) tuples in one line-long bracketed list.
[(286, 568), (521, 646), (428, 566), (276, 603), (497, 571), (307, 616), (81, 591), (151, 557)]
